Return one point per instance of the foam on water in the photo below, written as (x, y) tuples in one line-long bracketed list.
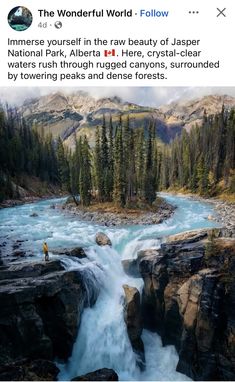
[(102, 339)]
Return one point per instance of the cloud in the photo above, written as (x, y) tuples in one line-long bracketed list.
[(146, 96)]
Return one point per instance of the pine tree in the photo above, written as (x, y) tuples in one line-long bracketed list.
[(203, 177), (75, 164), (85, 185), (185, 159), (129, 162), (229, 162), (149, 186), (156, 165), (110, 179), (104, 156), (98, 179), (119, 181), (63, 166), (140, 162)]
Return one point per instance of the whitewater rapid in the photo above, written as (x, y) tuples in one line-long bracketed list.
[(102, 339)]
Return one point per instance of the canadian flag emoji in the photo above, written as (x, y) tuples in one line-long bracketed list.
[(109, 53)]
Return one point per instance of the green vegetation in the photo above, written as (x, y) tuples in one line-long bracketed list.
[(119, 169), (126, 166), (23, 152), (203, 160)]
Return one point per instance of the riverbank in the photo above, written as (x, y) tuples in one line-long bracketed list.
[(225, 213), (109, 215), (224, 210), (8, 203), (31, 190), (19, 202)]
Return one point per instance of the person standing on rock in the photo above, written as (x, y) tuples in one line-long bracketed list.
[(45, 251)]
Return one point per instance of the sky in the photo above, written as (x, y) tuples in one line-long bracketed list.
[(146, 96)]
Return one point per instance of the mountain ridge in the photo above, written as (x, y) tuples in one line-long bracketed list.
[(78, 113)]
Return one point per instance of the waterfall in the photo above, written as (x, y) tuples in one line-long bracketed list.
[(102, 339), (91, 276)]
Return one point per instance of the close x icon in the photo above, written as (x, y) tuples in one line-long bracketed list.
[(221, 12)]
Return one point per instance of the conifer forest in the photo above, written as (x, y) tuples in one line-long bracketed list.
[(124, 165)]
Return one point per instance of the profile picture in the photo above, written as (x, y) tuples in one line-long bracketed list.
[(20, 18)]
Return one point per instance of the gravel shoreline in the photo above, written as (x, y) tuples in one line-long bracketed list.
[(224, 211), (19, 202), (164, 212), (27, 200)]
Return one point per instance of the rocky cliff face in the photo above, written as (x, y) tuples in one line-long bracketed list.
[(189, 297), (41, 306), (133, 320)]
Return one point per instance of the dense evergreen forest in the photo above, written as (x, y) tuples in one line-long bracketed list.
[(126, 166), (23, 152), (203, 160)]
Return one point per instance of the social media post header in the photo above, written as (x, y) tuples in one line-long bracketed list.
[(102, 44)]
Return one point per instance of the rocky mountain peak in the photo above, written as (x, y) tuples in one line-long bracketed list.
[(191, 112), (78, 113)]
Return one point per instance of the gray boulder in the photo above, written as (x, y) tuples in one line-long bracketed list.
[(102, 239)]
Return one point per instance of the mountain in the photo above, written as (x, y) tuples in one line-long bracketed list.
[(191, 112), (79, 113)]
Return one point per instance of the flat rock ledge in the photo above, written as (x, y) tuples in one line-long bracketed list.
[(77, 252)]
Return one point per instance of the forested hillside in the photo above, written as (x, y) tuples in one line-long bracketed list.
[(126, 165), (202, 160), (23, 153)]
